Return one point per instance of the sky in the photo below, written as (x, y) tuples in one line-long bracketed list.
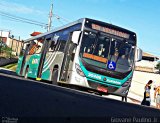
[(140, 16)]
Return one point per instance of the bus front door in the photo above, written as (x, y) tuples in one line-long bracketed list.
[(25, 53), (42, 59), (68, 60)]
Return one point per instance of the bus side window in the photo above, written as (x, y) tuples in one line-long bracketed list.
[(62, 42), (62, 45), (39, 47), (32, 48), (52, 46), (59, 46), (35, 47)]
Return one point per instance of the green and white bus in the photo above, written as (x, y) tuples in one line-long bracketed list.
[(88, 53)]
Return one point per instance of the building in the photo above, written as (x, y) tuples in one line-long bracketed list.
[(16, 45), (11, 41), (148, 63), (4, 36)]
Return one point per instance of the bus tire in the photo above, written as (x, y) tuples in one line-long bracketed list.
[(26, 72), (54, 76)]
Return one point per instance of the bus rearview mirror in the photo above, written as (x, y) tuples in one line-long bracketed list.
[(55, 39), (138, 55), (75, 36)]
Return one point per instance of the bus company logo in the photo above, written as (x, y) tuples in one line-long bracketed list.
[(104, 79), (94, 76), (113, 81), (35, 61)]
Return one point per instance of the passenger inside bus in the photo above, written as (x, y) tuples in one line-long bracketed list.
[(89, 49), (124, 56), (101, 50), (32, 48), (114, 55), (102, 47), (35, 47)]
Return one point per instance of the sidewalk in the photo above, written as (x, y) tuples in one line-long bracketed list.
[(7, 71), (135, 98), (132, 98), (138, 99)]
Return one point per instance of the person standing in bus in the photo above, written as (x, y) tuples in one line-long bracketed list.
[(157, 97), (101, 50), (147, 98)]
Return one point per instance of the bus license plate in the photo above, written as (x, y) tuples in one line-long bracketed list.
[(103, 89)]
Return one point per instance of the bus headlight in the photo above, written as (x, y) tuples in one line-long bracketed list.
[(79, 70), (128, 82)]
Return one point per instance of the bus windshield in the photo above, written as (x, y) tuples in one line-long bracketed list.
[(98, 50)]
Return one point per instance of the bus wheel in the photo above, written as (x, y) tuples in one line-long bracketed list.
[(26, 72), (55, 76)]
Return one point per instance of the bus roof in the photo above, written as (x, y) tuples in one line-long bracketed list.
[(76, 22), (56, 29)]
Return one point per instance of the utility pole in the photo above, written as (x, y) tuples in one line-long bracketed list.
[(50, 18)]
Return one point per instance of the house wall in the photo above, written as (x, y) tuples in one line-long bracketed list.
[(16, 45), (147, 64)]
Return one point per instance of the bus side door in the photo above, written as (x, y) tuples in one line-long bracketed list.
[(68, 59), (25, 54)]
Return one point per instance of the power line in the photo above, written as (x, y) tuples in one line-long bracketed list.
[(33, 22), (4, 13), (19, 20), (29, 21), (55, 15), (59, 20), (24, 20), (59, 17)]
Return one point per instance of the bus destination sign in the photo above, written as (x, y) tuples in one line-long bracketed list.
[(110, 31)]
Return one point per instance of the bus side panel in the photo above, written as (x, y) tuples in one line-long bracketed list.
[(27, 63), (19, 65), (33, 64), (49, 65)]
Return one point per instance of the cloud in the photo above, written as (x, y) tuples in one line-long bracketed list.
[(18, 8)]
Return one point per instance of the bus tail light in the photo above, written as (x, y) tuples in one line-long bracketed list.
[(79, 70)]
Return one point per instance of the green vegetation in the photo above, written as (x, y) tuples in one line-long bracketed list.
[(11, 66), (5, 51)]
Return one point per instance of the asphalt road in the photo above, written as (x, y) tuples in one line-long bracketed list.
[(29, 101)]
